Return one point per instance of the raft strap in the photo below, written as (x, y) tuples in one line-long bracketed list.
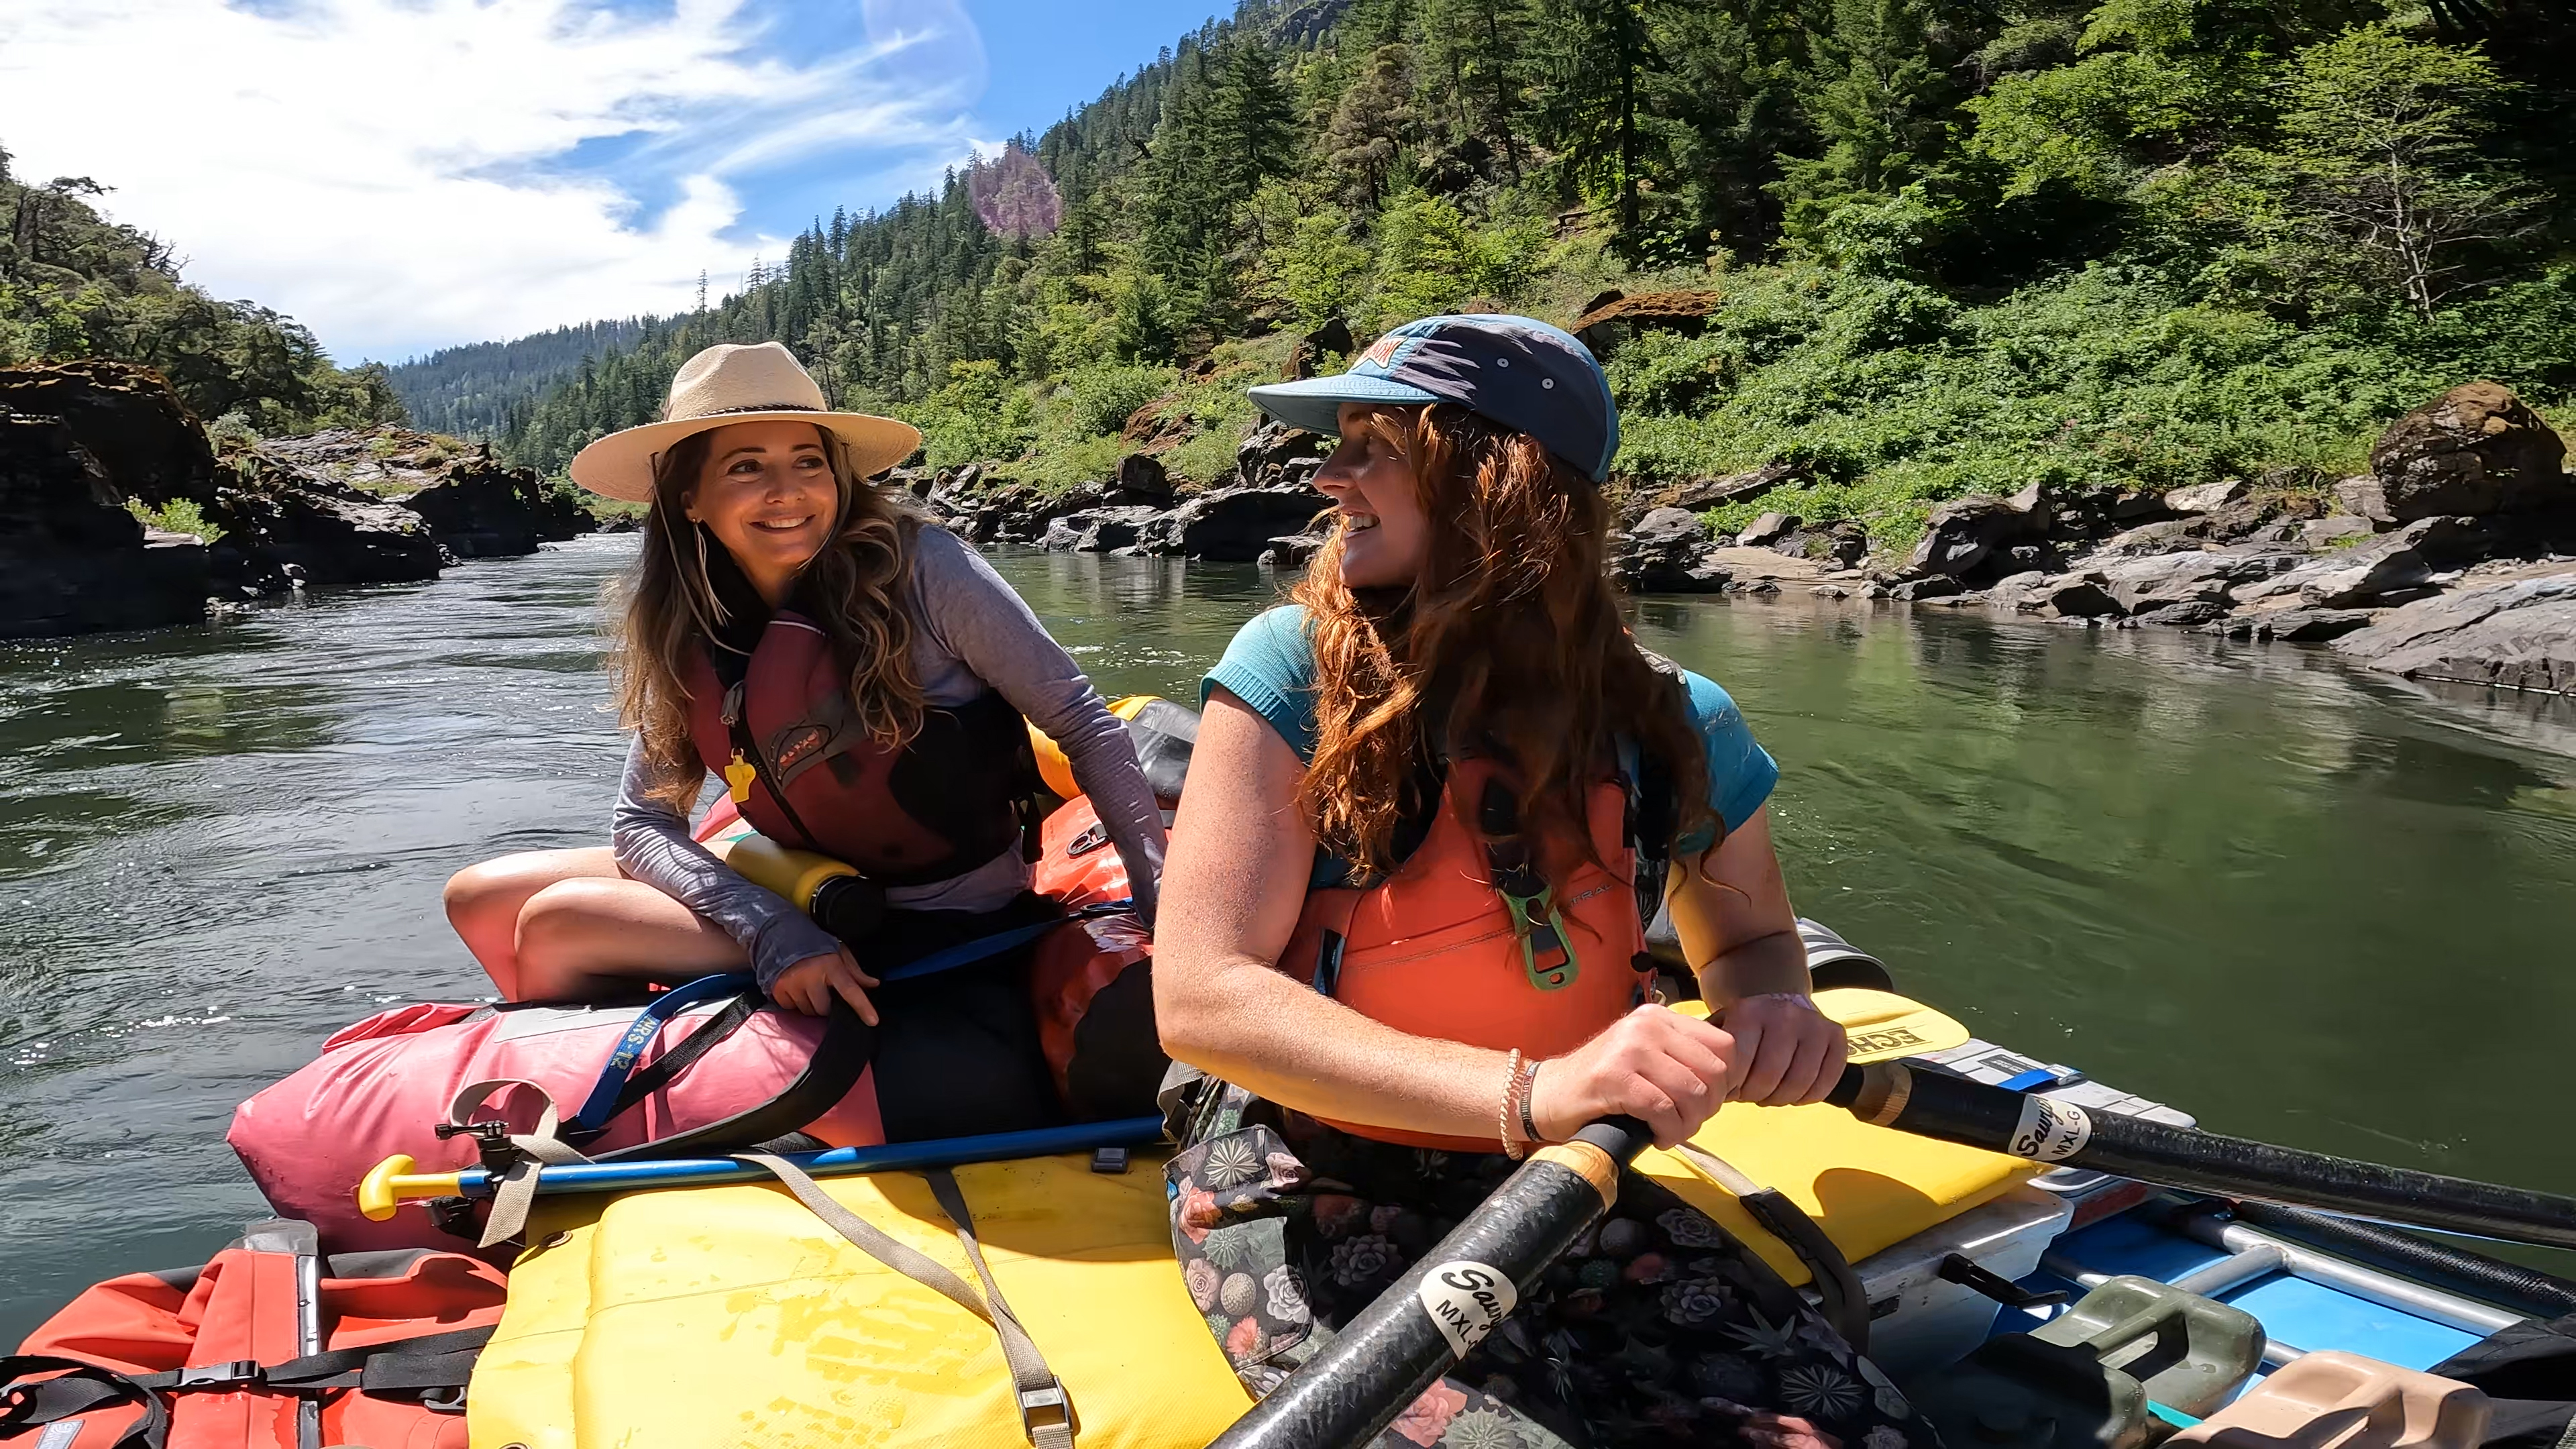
[(1046, 1413), (419, 1367)]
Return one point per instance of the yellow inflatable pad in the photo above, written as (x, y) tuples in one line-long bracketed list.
[(731, 1316), (1867, 1187)]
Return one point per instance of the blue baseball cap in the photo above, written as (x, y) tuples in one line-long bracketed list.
[(1516, 371)]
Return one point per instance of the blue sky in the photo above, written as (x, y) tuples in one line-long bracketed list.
[(407, 174)]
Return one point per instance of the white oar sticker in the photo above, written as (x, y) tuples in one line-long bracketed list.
[(1466, 1301), (2050, 1131)]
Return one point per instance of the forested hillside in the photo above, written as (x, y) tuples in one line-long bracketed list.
[(468, 390), (1937, 247), (74, 285)]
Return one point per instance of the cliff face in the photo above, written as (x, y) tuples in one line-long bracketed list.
[(72, 560), (341, 507)]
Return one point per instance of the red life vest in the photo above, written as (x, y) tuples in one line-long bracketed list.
[(1460, 944), (268, 1346), (788, 743)]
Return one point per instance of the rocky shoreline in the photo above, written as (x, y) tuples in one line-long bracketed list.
[(2454, 558), (80, 442)]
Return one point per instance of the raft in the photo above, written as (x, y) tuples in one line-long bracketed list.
[(2018, 1305)]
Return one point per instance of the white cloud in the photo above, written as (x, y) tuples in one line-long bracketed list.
[(402, 174)]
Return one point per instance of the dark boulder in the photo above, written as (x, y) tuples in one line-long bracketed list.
[(1097, 530), (1968, 539), (2474, 451), (482, 510), (1234, 526), (1662, 553), (1279, 456), (1141, 479), (2515, 635), (72, 559)]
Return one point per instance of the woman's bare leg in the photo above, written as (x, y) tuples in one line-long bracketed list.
[(564, 925)]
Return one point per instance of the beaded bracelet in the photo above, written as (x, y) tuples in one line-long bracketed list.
[(1503, 1122)]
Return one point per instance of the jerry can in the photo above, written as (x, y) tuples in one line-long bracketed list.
[(2334, 1400), (2083, 1379)]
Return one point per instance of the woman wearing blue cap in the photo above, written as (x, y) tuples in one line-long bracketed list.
[(1434, 799)]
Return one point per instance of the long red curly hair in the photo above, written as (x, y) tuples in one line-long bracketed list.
[(1509, 645)]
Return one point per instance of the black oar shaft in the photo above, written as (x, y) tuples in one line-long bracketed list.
[(1461, 1289), (1954, 1109)]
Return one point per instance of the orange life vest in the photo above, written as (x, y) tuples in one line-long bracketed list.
[(1465, 942)]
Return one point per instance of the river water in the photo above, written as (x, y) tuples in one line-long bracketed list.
[(2308, 905)]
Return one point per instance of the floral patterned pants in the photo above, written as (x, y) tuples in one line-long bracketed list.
[(1656, 1327)]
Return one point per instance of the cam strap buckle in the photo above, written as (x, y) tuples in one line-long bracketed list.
[(1045, 1407), (234, 1374)]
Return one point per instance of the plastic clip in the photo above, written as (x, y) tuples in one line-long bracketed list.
[(1541, 930), (234, 1374), (1108, 1160)]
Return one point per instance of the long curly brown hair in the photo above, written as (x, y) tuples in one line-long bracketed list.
[(683, 596), (1509, 645)]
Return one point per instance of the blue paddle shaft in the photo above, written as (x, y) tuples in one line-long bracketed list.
[(837, 1162)]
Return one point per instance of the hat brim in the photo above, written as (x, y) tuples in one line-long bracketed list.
[(1315, 403), (620, 465)]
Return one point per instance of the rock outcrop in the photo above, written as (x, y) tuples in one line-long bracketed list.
[(1663, 553), (72, 559), (1233, 525), (2519, 634), (285, 528), (474, 507), (146, 442), (2477, 450)]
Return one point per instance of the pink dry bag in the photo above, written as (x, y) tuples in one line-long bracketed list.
[(703, 1068)]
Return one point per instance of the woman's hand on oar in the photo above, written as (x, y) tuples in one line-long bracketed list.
[(1666, 1070)]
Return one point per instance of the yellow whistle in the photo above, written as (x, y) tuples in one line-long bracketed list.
[(738, 778)]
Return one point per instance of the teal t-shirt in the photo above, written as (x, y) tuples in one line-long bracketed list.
[(1270, 666)]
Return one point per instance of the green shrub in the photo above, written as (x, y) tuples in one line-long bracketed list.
[(179, 515), (1103, 395)]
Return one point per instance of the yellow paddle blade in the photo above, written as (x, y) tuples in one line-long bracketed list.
[(1881, 1024), (1054, 768)]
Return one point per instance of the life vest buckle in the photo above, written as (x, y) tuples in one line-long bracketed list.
[(1541, 929)]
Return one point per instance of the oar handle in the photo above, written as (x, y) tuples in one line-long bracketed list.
[(2059, 1133), (1451, 1298)]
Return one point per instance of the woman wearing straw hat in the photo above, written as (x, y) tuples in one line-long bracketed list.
[(856, 679)]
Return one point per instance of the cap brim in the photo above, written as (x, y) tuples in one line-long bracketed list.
[(1315, 403), (620, 465)]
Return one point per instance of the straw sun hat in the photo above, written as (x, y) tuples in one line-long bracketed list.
[(729, 383)]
